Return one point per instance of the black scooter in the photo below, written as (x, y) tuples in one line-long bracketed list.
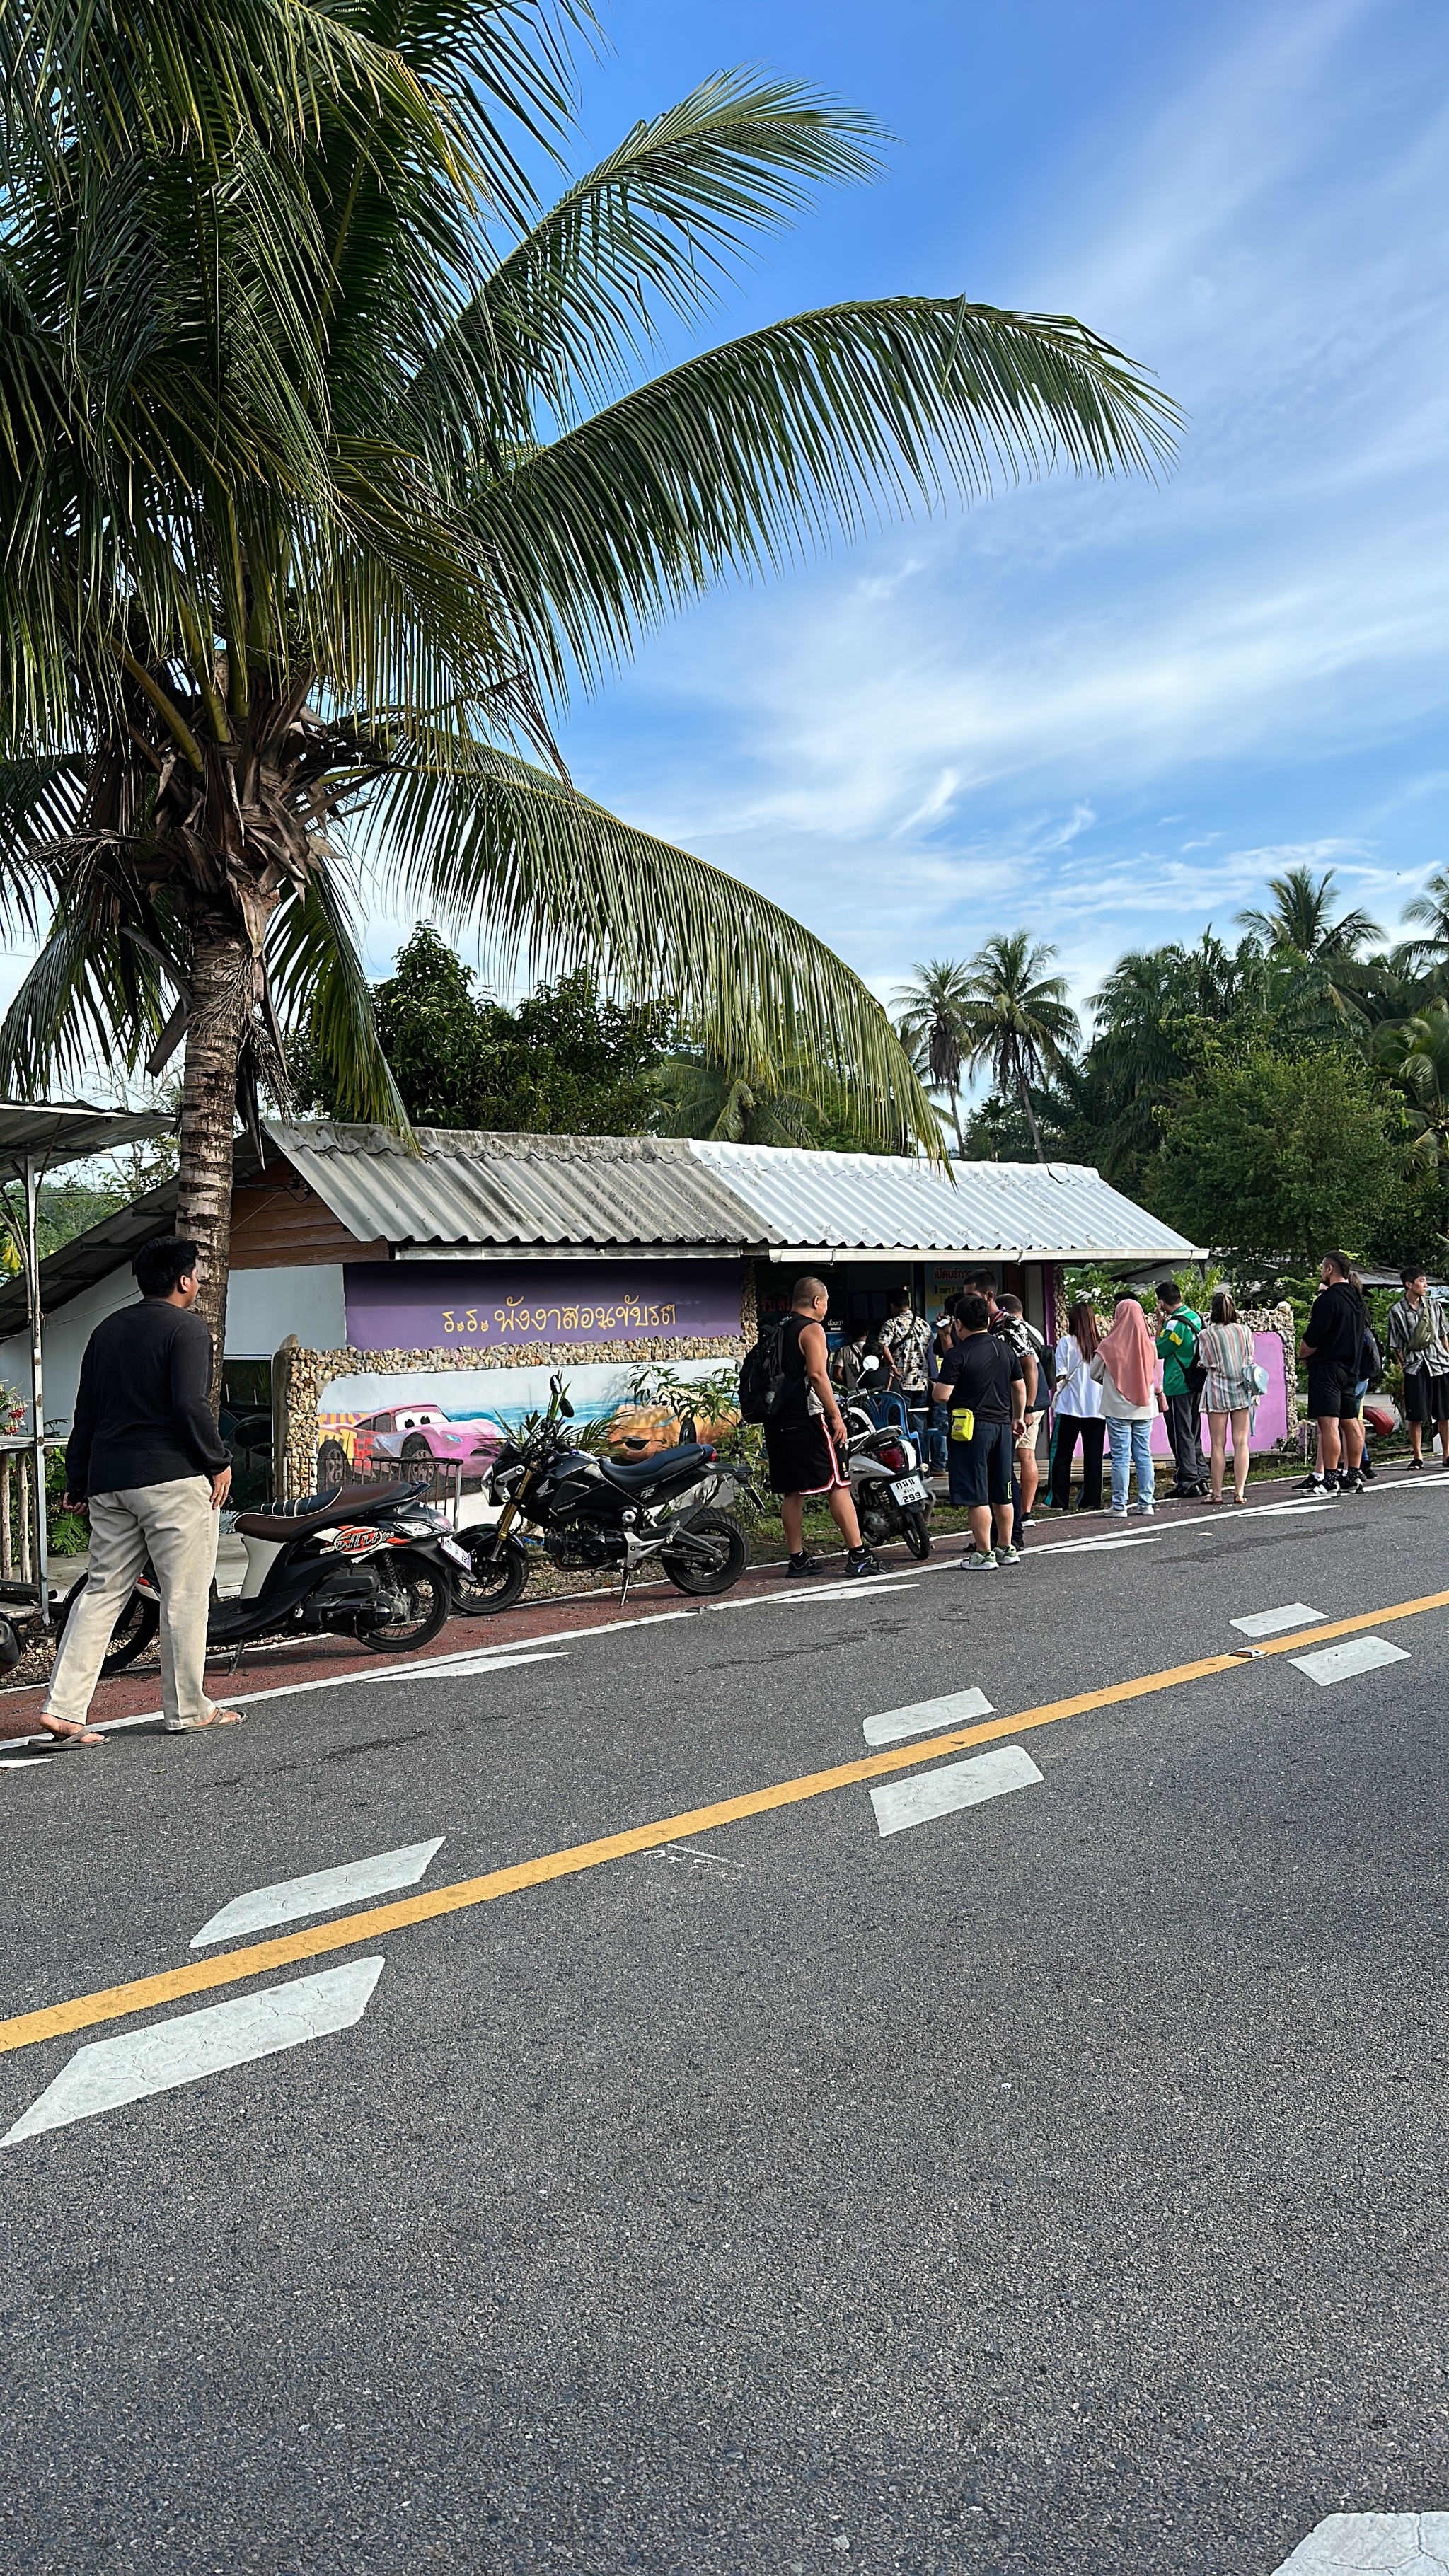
[(371, 1561)]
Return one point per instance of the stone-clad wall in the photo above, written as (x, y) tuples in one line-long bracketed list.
[(299, 1376)]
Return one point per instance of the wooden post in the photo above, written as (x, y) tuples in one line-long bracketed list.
[(23, 1465), (7, 1535)]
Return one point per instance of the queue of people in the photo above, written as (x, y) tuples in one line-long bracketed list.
[(979, 1379)]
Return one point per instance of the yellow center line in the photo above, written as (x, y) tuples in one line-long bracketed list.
[(231, 1967)]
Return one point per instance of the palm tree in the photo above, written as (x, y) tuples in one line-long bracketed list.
[(1018, 1020), (1301, 919), (326, 467), (1431, 910), (931, 1026), (1415, 1053)]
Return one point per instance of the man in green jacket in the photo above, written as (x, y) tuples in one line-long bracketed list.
[(1178, 1327)]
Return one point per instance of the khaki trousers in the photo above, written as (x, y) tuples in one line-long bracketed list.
[(175, 1526)]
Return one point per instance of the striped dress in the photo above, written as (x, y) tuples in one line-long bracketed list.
[(1226, 1351)]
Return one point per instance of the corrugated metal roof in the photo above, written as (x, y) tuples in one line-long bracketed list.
[(465, 1192), (69, 1131), (463, 1189), (887, 1202)]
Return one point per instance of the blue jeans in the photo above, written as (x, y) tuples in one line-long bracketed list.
[(937, 1444), (1131, 1445)]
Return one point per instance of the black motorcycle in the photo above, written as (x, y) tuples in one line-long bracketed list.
[(603, 1515), (370, 1561)]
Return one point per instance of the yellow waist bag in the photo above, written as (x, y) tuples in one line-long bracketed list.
[(963, 1423)]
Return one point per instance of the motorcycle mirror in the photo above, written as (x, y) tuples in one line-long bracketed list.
[(565, 1408), (867, 1366)]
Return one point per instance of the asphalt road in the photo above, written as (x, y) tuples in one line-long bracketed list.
[(1054, 2184)]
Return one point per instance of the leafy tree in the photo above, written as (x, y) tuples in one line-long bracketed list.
[(564, 1062), (1273, 1160), (327, 465), (932, 1022), (1429, 951), (1018, 1022), (997, 1130)]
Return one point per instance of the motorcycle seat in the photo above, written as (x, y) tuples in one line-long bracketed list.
[(319, 1511), (647, 1471)]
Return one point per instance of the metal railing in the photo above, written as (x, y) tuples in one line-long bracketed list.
[(21, 1531)]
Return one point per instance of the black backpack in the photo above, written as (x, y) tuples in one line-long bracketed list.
[(762, 1376)]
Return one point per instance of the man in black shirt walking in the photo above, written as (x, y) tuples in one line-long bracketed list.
[(147, 1462)]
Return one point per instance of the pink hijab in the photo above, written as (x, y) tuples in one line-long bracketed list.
[(1130, 1353)]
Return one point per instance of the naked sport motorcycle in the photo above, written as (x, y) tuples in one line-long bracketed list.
[(605, 1514)]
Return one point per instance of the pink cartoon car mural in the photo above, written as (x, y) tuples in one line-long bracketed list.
[(413, 1434)]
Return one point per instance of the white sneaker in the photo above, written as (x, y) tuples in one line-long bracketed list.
[(1142, 1511), (1113, 1514)]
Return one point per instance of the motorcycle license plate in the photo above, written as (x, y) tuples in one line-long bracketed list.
[(911, 1489), (458, 1554)]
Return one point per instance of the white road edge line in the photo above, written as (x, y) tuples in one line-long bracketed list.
[(1375, 2544), (112, 2071), (288, 1899)]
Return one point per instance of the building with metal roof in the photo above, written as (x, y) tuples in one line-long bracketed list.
[(491, 1249)]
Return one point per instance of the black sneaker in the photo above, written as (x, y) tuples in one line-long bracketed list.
[(1367, 1470), (861, 1561), (1310, 1485), (802, 1564), (1351, 1484)]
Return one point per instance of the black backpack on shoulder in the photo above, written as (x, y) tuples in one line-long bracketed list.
[(762, 1375)]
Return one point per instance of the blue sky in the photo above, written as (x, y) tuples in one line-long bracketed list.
[(1108, 712)]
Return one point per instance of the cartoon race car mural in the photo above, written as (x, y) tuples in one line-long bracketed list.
[(414, 1435)]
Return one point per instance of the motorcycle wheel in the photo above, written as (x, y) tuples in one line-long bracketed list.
[(687, 1574), (495, 1581), (429, 1596), (917, 1534), (130, 1637)]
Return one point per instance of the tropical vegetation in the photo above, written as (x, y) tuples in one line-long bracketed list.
[(1269, 1097), (331, 461)]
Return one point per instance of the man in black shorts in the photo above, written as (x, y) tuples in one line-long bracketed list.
[(982, 1377), (1331, 1346), (805, 1436)]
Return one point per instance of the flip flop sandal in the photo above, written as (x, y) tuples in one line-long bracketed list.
[(196, 1725), (74, 1740)]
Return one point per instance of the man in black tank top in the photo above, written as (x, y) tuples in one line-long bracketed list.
[(801, 1436)]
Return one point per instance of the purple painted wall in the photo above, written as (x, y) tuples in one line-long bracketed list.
[(470, 1305)]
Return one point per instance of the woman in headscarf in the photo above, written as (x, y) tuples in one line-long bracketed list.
[(1125, 1368)]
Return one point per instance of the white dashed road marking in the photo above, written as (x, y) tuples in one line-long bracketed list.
[(894, 1724), (113, 2071), (900, 1803), (1272, 1623), (1373, 2544), (291, 1898), (1355, 1655)]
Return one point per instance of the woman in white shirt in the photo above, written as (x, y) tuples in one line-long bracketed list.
[(1078, 1413)]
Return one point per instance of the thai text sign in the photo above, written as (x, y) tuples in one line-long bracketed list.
[(476, 1305)]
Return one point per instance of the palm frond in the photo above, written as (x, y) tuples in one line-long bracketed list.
[(319, 982), (87, 1000), (743, 457), (556, 877), (654, 230)]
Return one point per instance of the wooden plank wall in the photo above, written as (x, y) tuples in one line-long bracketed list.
[(278, 1223)]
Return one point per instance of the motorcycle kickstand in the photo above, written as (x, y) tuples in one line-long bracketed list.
[(624, 1585)]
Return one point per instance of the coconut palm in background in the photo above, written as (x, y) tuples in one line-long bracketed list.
[(1415, 1053), (1018, 1022), (1427, 953), (326, 469), (931, 1022), (1301, 918)]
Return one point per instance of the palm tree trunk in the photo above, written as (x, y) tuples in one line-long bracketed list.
[(219, 997), (1030, 1116), (956, 1121)]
